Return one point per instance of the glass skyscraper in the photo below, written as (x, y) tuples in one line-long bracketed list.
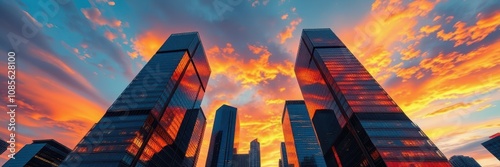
[(302, 147), (144, 125), (225, 137), (284, 160), (463, 161), (493, 145), (254, 153), (365, 127), (241, 160), (40, 153)]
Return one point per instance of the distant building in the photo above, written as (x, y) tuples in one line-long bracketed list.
[(43, 153), (284, 159), (254, 160), (493, 145), (302, 147), (3, 146), (224, 138), (241, 160), (463, 161)]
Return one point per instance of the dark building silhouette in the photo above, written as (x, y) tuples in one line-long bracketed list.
[(463, 161), (356, 121), (40, 153), (225, 137), (241, 160), (284, 160), (254, 160), (493, 145), (144, 126), (3, 146), (301, 144)]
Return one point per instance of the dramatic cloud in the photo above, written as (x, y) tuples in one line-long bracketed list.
[(287, 32), (94, 15)]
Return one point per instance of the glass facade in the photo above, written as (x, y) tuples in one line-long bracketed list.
[(40, 153), (241, 160), (301, 145), (493, 145), (254, 153), (463, 161), (146, 125), (356, 121), (284, 160), (225, 137)]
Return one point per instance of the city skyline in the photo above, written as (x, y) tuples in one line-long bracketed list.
[(437, 62)]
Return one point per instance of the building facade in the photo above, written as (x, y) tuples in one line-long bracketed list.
[(241, 160), (493, 145), (254, 160), (366, 127), (463, 161), (141, 127), (301, 144), (40, 153), (225, 137)]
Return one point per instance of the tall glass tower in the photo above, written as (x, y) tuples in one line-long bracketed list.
[(367, 128), (254, 153), (143, 126), (225, 137), (302, 147), (284, 160)]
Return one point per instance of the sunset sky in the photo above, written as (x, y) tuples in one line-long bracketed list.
[(438, 59)]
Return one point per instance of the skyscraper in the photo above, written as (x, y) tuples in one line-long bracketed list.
[(254, 153), (142, 127), (463, 161), (225, 137), (190, 136), (284, 159), (367, 128), (241, 160), (3, 146), (493, 145), (302, 148), (46, 153)]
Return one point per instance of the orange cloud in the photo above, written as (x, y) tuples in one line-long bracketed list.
[(464, 34), (251, 72), (287, 32), (145, 45), (430, 29), (454, 107), (95, 16), (109, 35), (284, 17)]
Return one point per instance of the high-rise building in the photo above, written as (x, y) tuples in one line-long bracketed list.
[(463, 161), (142, 127), (254, 160), (225, 137), (302, 147), (284, 159), (241, 160), (3, 146), (493, 145), (190, 137), (46, 153), (367, 128)]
